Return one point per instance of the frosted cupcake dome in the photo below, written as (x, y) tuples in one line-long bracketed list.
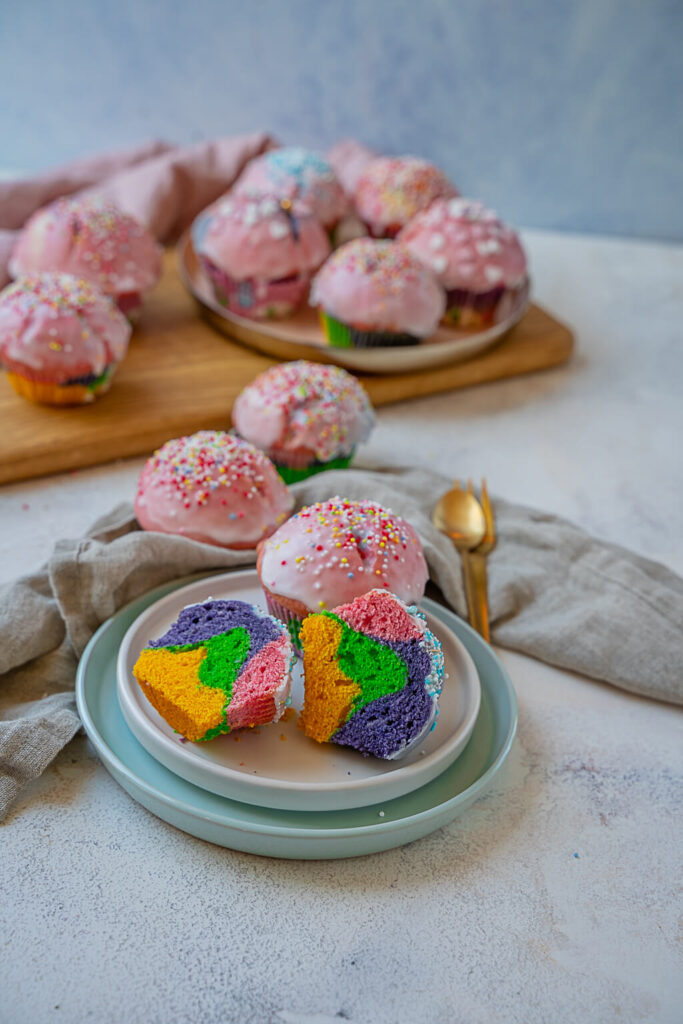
[(298, 174), (304, 407), (392, 190), (93, 239), (466, 245), (212, 487)]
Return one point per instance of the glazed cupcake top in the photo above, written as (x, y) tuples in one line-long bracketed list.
[(333, 551), (379, 285), (260, 236), (214, 488), (60, 326), (90, 238), (306, 406), (299, 174), (466, 245), (391, 190)]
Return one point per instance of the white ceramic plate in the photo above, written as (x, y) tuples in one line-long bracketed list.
[(300, 337), (276, 765)]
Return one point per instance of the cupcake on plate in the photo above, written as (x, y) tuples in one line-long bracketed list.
[(300, 175), (373, 293), (305, 416), (373, 674), (92, 239), (392, 190), (334, 551), (60, 338), (214, 488), (260, 253), (477, 258), (222, 665)]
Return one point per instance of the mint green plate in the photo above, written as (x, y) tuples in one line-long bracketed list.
[(271, 832)]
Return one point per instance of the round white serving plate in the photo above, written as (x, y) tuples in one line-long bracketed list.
[(277, 765), (300, 336)]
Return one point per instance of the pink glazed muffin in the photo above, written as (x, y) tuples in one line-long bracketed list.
[(259, 253), (478, 259), (373, 293), (92, 239), (300, 175), (60, 339), (306, 417), (213, 488), (392, 190), (334, 551)]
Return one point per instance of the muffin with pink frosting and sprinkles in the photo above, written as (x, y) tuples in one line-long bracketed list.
[(392, 189), (373, 293), (305, 416), (60, 338), (214, 488), (93, 239), (477, 258), (300, 175), (334, 551), (259, 253)]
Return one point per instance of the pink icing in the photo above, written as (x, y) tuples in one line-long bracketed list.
[(379, 285), (259, 237), (312, 406), (391, 190), (213, 488), (251, 704), (55, 327), (331, 552), (466, 245), (298, 174), (90, 238), (381, 615)]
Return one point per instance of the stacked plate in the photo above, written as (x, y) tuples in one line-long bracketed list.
[(272, 791)]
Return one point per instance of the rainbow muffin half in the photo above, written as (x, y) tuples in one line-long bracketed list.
[(373, 674), (222, 665)]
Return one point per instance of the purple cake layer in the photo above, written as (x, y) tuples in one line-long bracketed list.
[(390, 723), (203, 621)]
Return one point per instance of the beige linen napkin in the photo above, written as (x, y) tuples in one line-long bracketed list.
[(556, 594)]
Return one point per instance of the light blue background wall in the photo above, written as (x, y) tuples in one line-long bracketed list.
[(560, 114)]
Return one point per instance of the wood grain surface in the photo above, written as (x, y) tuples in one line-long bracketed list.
[(180, 375)]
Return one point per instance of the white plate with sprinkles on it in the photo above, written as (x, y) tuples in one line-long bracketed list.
[(277, 765), (300, 335)]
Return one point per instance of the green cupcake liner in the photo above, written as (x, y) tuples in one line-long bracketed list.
[(341, 335), (292, 475)]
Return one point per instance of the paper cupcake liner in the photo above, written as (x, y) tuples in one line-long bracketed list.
[(73, 392), (292, 474), (340, 335), (257, 298), (130, 304), (481, 309), (291, 621)]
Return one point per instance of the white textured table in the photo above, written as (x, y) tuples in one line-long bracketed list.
[(554, 898)]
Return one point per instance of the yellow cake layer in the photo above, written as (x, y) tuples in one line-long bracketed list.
[(170, 680), (329, 693)]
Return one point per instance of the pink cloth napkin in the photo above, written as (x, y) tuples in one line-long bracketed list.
[(162, 185)]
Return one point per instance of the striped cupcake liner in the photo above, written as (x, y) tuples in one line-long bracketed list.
[(290, 620), (340, 335)]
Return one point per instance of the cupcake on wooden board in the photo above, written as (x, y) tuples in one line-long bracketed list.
[(222, 665), (60, 338), (478, 259), (307, 417), (373, 293), (373, 673), (214, 488), (392, 190), (300, 175), (260, 253), (91, 238), (333, 551)]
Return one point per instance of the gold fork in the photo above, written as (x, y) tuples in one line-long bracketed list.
[(478, 560)]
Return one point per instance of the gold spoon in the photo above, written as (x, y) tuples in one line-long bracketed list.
[(459, 515)]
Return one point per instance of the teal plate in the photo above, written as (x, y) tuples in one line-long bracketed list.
[(307, 835)]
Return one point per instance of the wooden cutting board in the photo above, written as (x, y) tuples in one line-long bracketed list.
[(180, 376)]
